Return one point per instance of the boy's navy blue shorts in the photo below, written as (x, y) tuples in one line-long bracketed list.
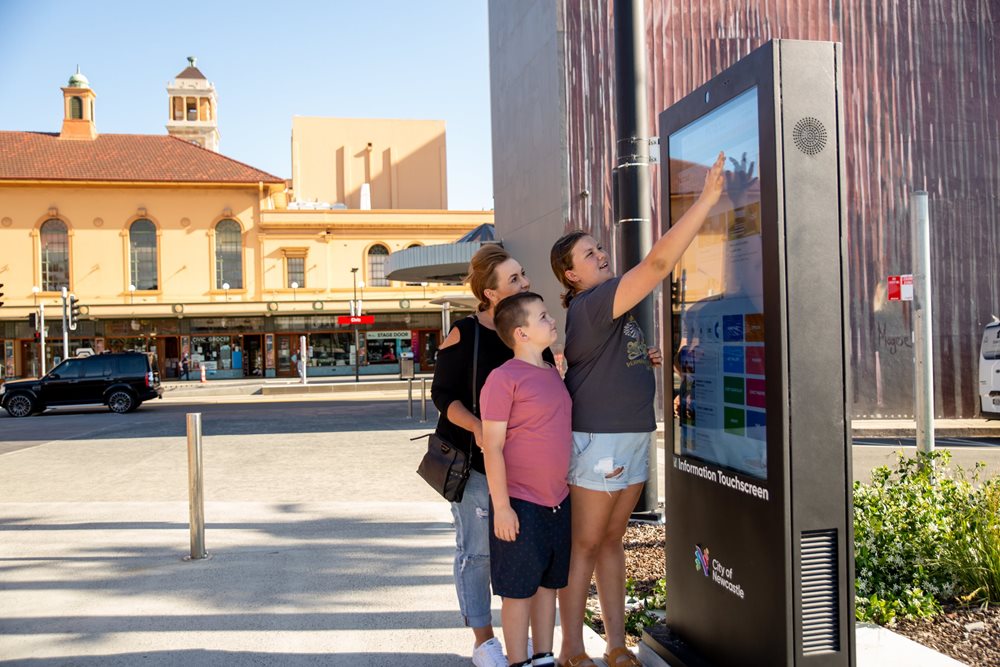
[(540, 554)]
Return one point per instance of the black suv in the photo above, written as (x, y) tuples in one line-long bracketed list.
[(122, 381)]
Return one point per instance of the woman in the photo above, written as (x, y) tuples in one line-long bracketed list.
[(611, 381), (493, 275)]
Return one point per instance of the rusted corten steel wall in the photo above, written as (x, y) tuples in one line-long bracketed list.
[(922, 111)]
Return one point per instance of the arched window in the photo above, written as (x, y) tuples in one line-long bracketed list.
[(228, 254), (377, 256), (55, 255), (142, 255), (75, 108)]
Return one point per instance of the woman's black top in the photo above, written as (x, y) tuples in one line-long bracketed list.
[(453, 380)]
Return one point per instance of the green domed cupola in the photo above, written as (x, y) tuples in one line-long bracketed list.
[(78, 80)]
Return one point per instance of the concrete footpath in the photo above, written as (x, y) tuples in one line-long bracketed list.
[(325, 547)]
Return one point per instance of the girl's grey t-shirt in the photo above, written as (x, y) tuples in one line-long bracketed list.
[(610, 376)]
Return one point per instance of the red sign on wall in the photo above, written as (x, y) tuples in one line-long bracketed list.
[(355, 319), (893, 288)]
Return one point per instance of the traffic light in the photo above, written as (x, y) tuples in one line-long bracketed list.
[(1, 294), (73, 317), (33, 321)]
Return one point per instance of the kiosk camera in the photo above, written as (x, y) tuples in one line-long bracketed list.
[(759, 537)]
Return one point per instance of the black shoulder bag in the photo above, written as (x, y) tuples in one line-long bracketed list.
[(444, 466)]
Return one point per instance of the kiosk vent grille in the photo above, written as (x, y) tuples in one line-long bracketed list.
[(820, 612)]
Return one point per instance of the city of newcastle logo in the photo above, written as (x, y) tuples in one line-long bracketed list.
[(718, 572), (701, 559)]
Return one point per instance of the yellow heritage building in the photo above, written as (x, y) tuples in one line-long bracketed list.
[(173, 248)]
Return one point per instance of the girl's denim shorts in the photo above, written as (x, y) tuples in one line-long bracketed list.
[(609, 461)]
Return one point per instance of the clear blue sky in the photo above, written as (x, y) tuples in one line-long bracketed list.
[(269, 61)]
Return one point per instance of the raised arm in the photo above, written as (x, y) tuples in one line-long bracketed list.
[(643, 278)]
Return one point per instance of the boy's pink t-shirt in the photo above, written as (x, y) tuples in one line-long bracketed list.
[(537, 408)]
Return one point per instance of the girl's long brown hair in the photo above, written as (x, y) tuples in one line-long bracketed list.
[(482, 272), (561, 258)]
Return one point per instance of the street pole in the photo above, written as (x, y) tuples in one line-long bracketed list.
[(41, 333), (303, 357), (356, 312), (923, 342), (445, 318), (65, 322), (633, 208)]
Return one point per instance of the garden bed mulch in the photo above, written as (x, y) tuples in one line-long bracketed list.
[(968, 634)]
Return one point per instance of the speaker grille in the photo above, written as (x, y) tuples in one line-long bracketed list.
[(809, 136), (820, 611)]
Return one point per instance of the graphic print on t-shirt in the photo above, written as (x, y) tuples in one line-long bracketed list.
[(635, 349)]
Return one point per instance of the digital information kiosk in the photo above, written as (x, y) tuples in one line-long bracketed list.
[(759, 537)]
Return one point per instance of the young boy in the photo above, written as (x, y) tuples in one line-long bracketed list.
[(527, 413)]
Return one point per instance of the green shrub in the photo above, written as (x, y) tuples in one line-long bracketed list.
[(638, 607), (974, 554), (923, 536)]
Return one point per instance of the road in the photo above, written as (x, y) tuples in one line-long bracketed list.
[(220, 417), (265, 416)]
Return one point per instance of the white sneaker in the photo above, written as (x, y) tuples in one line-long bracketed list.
[(489, 654)]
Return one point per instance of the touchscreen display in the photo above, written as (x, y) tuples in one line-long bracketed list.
[(718, 300)]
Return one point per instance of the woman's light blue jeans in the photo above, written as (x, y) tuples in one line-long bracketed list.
[(472, 552)]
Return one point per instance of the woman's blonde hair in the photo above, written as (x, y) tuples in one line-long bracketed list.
[(482, 272), (561, 258)]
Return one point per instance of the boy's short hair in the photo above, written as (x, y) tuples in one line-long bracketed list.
[(511, 313)]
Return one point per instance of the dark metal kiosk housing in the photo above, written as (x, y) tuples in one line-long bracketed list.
[(759, 539)]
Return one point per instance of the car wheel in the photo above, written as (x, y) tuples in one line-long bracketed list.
[(135, 406), (121, 401), (20, 405)]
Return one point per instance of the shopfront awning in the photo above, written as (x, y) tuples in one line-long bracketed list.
[(459, 301)]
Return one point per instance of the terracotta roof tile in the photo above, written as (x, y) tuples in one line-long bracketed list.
[(118, 157)]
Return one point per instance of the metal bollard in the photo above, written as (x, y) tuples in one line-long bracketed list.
[(409, 398), (303, 361), (423, 399), (196, 487)]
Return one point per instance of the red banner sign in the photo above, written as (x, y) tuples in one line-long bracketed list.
[(355, 319), (894, 288)]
